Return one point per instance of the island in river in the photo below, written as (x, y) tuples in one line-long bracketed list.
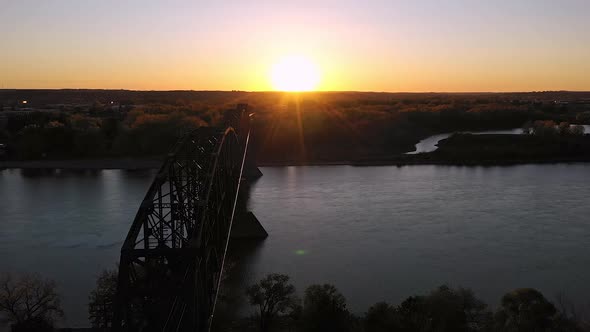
[(495, 149)]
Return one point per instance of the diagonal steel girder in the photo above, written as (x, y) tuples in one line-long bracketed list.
[(173, 256)]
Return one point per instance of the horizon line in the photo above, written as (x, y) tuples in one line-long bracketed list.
[(294, 92)]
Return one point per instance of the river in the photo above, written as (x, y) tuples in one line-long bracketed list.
[(376, 233)]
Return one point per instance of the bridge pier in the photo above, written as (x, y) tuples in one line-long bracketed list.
[(251, 171), (247, 226)]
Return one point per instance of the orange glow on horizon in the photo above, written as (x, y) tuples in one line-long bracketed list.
[(389, 46), (295, 73)]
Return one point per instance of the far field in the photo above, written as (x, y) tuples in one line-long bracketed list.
[(289, 128)]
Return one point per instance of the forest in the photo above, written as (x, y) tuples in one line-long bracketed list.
[(289, 128)]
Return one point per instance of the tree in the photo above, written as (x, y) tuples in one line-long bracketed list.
[(527, 127), (110, 128), (544, 128), (563, 128), (324, 309), (457, 310), (569, 317), (29, 302), (413, 314), (381, 317), (577, 130), (273, 295), (444, 309), (83, 123), (101, 300), (525, 309)]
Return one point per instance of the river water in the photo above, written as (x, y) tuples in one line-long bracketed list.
[(376, 233)]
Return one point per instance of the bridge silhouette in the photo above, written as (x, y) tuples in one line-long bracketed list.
[(173, 257)]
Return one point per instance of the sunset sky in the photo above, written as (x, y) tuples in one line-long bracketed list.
[(455, 45)]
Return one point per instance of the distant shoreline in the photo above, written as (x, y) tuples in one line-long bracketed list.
[(83, 164), (138, 164), (392, 162)]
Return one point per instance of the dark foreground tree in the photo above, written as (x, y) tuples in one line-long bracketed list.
[(526, 309), (101, 299), (444, 309), (29, 302), (457, 310), (382, 317), (324, 309), (273, 295), (570, 317), (413, 314)]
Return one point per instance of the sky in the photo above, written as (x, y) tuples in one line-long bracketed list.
[(415, 46)]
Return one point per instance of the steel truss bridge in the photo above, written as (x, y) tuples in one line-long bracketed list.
[(172, 259)]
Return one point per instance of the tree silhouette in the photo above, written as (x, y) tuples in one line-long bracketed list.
[(29, 302), (273, 295), (444, 309), (101, 299), (324, 309), (525, 309), (381, 317)]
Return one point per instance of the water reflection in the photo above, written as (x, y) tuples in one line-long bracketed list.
[(67, 225), (385, 233), (377, 233), (57, 172)]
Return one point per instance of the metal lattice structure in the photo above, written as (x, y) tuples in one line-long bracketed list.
[(172, 259)]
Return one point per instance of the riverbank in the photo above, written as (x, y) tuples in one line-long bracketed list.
[(426, 159), (480, 150), (80, 164), (457, 150)]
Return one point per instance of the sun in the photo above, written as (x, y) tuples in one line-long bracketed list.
[(295, 73)]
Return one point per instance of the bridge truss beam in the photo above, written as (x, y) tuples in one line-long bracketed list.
[(172, 258)]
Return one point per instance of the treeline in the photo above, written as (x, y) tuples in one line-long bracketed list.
[(306, 127), (137, 133), (335, 129), (483, 149), (32, 303), (323, 308)]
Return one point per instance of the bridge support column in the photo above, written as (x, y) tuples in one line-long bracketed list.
[(251, 171), (247, 226)]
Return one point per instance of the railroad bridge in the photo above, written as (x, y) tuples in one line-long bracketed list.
[(173, 256)]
